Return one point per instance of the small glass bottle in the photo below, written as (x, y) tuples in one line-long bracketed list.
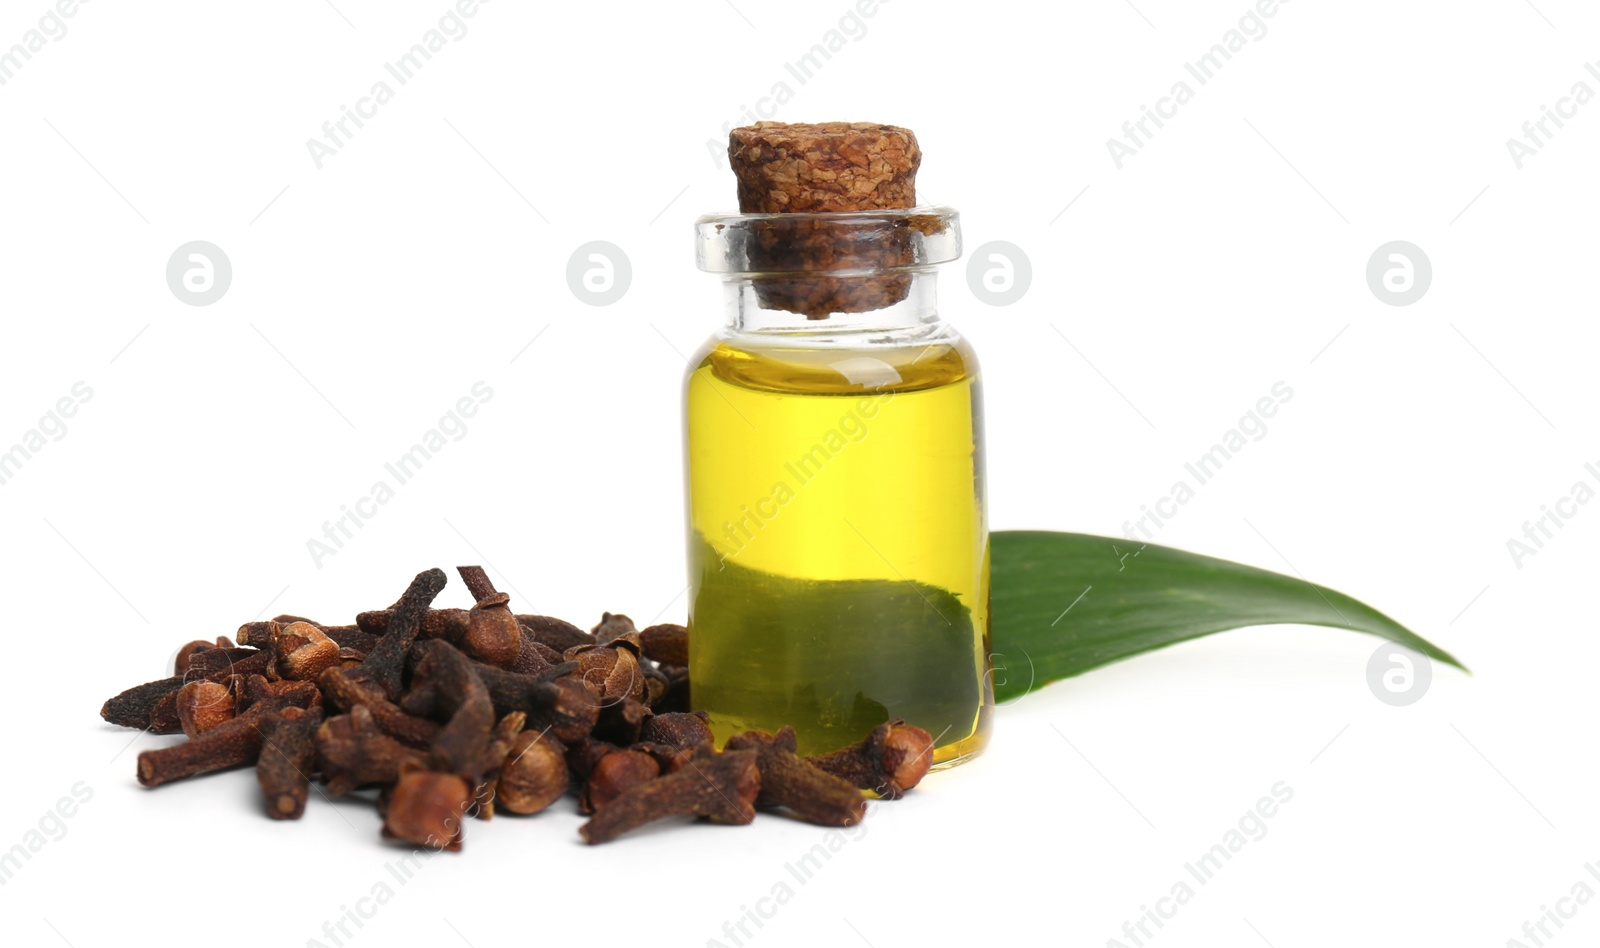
[(838, 543)]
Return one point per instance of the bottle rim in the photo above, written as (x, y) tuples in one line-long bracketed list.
[(837, 243)]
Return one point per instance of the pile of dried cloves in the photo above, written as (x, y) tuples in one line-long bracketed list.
[(457, 713)]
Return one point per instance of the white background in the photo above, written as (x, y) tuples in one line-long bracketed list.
[(1228, 254)]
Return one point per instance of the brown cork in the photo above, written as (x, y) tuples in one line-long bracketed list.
[(829, 166), (825, 168)]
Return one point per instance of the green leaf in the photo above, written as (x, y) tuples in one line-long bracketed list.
[(1068, 603)]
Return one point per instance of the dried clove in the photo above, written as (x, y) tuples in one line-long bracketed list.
[(565, 706), (670, 759), (251, 662), (889, 761), (614, 775), (534, 656), (288, 757), (676, 698), (258, 634), (213, 661), (622, 722), (555, 633), (493, 634), (304, 651), (132, 708), (788, 781), (656, 685), (611, 670), (386, 662), (229, 744), (352, 752), (611, 627), (681, 730), (557, 672), (232, 744), (301, 694), (446, 683), (262, 634), (163, 713), (584, 754), (202, 705), (719, 786), (348, 636), (428, 808), (534, 775), (501, 740), (347, 693), (351, 637), (477, 582), (180, 664), (447, 624), (666, 644)]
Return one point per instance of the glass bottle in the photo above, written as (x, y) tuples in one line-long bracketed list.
[(838, 543)]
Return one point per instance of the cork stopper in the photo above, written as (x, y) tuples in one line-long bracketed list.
[(824, 167), (812, 171)]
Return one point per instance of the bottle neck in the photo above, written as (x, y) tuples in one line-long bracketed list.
[(915, 311)]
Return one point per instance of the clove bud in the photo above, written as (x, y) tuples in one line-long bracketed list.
[(889, 761), (666, 644), (446, 682), (612, 626), (133, 708), (447, 624), (180, 664), (681, 730), (288, 756), (202, 705), (304, 652), (611, 671), (534, 774), (347, 693), (229, 744), (353, 752), (622, 722), (385, 664), (493, 634), (719, 786), (428, 808), (219, 661), (614, 775), (788, 781), (565, 706), (555, 633)]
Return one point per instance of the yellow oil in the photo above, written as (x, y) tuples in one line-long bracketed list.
[(838, 545)]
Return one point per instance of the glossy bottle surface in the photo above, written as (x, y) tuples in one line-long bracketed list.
[(838, 545)]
